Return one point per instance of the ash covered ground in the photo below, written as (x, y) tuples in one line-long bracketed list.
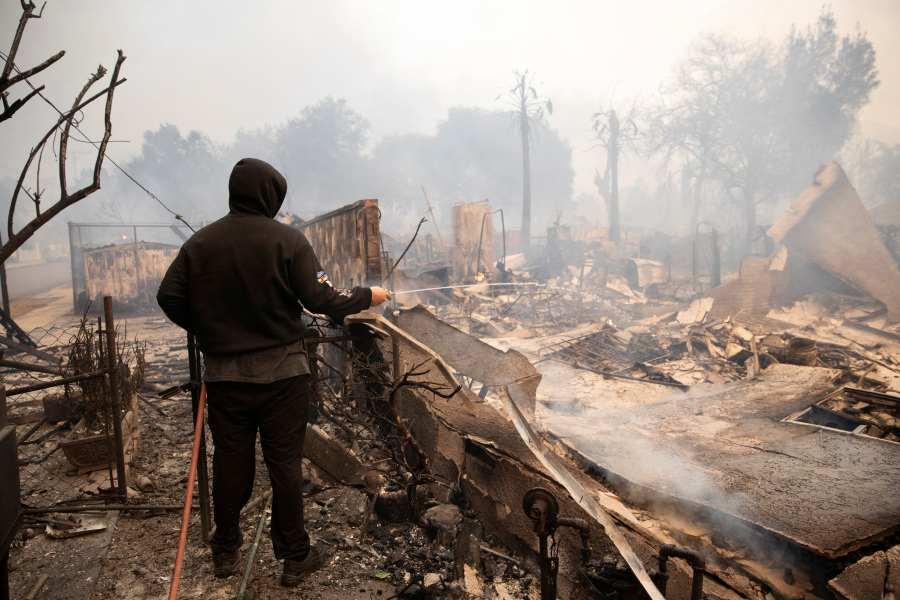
[(134, 556)]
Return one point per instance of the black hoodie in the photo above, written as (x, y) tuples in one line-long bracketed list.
[(238, 283)]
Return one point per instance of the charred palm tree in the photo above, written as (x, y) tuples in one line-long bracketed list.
[(528, 115)]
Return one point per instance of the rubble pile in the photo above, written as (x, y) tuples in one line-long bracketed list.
[(750, 425)]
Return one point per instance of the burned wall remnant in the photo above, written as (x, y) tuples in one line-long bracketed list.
[(473, 449), (828, 225), (641, 272), (135, 274), (473, 239), (348, 243), (130, 273)]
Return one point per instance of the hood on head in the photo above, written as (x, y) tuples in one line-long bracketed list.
[(256, 187)]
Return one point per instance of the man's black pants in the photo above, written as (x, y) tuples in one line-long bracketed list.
[(279, 410)]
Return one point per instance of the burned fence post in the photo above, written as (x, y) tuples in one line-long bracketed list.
[(111, 443), (115, 401)]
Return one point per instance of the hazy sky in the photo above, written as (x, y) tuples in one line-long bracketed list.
[(218, 66)]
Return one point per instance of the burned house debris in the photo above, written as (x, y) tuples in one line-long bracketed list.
[(575, 423), (125, 261)]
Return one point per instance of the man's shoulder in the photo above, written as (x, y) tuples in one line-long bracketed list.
[(290, 232), (233, 228)]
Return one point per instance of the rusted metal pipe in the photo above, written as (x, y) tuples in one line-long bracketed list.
[(542, 508), (694, 558), (19, 364), (584, 530), (58, 382), (101, 508)]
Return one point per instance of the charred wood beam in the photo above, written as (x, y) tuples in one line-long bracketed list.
[(20, 347), (680, 386), (58, 382), (18, 364)]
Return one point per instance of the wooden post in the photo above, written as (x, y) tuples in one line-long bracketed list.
[(115, 400), (103, 362)]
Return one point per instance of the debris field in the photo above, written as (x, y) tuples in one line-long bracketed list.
[(563, 421)]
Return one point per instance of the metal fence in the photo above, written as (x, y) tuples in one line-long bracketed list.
[(129, 260), (75, 413)]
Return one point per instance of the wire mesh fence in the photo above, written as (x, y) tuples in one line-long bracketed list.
[(126, 261), (65, 400), (61, 389)]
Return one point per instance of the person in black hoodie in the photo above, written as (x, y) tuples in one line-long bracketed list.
[(239, 285)]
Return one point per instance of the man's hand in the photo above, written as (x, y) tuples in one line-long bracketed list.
[(379, 295)]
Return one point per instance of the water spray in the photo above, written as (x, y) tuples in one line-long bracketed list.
[(586, 295), (469, 285)]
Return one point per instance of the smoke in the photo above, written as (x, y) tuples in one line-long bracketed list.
[(652, 463)]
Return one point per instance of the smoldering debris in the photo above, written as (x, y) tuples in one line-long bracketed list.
[(784, 319), (738, 420)]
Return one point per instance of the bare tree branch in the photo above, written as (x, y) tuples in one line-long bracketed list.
[(10, 109), (5, 80), (23, 75), (16, 239), (64, 138)]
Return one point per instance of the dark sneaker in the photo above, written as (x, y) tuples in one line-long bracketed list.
[(226, 564), (296, 571)]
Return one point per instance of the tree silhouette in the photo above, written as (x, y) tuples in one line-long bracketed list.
[(616, 133), (62, 127), (758, 118), (527, 115)]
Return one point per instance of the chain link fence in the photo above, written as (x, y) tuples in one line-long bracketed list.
[(65, 401), (126, 261)]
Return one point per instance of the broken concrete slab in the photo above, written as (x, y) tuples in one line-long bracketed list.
[(468, 454), (696, 312), (726, 452), (828, 225), (871, 578)]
